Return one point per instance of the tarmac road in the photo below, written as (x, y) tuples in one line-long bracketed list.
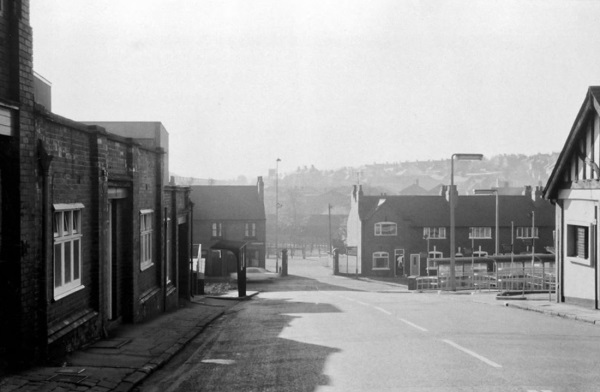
[(312, 331)]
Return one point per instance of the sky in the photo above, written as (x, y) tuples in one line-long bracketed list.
[(330, 83)]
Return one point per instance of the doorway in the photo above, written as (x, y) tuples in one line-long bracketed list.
[(415, 264)]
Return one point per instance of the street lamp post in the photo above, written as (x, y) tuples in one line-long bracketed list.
[(277, 214), (460, 157), (330, 245), (495, 192)]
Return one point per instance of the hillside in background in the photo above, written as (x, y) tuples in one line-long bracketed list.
[(309, 192)]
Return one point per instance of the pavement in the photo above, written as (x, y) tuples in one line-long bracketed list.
[(129, 355), (133, 352)]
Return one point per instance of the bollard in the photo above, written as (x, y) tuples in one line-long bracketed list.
[(284, 262)]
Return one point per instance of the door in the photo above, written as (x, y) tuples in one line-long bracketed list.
[(116, 257), (415, 263)]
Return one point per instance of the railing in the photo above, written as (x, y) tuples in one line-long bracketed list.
[(537, 278)]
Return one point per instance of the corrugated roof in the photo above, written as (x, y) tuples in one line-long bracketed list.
[(227, 202)]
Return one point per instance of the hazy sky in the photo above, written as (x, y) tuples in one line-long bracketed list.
[(238, 84)]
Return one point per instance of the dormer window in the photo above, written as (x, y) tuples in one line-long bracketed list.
[(386, 229)]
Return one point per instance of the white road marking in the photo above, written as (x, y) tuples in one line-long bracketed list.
[(474, 354), (219, 361), (382, 310), (363, 303), (413, 325)]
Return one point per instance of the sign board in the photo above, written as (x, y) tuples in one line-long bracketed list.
[(351, 251)]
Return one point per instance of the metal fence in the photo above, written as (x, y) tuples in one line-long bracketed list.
[(494, 273)]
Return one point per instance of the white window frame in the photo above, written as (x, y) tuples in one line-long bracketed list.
[(434, 233), (146, 239), (381, 229), (250, 230), (381, 255), (524, 232), (216, 230), (67, 271), (480, 232)]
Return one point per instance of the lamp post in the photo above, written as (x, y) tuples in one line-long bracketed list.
[(277, 214), (330, 246), (459, 157), (489, 192)]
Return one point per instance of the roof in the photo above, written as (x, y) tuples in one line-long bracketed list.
[(434, 211), (579, 128), (227, 202)]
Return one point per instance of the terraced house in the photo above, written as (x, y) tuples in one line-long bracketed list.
[(92, 233), (396, 234)]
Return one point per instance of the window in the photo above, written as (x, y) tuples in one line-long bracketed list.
[(6, 115), (577, 241), (146, 238), (431, 256), (525, 232), (480, 232), (217, 229), (381, 260), (434, 232), (251, 230), (67, 249), (385, 228)]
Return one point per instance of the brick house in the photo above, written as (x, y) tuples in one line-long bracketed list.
[(574, 189), (233, 213), (92, 236), (395, 234)]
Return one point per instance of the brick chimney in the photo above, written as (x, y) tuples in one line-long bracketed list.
[(261, 188), (527, 191)]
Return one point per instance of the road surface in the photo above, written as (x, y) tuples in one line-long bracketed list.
[(313, 331)]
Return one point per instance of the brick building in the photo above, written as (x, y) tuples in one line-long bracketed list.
[(234, 213), (394, 235), (92, 235)]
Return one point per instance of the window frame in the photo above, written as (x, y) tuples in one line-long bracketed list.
[(437, 231), (216, 230), (485, 230), (381, 255), (527, 230), (573, 248), (380, 232), (250, 230), (67, 234), (146, 239)]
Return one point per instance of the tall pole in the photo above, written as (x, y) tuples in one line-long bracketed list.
[(464, 157), (497, 225), (452, 223), (277, 214), (330, 246)]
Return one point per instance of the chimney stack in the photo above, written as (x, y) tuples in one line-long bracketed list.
[(261, 188)]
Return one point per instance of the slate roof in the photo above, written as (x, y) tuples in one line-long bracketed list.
[(434, 211), (227, 202), (579, 128)]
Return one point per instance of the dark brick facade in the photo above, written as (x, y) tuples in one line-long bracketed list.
[(49, 163)]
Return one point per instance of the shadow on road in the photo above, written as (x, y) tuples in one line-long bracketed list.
[(297, 283)]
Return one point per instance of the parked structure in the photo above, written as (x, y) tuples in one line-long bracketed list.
[(232, 213), (92, 236), (395, 235), (574, 187)]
